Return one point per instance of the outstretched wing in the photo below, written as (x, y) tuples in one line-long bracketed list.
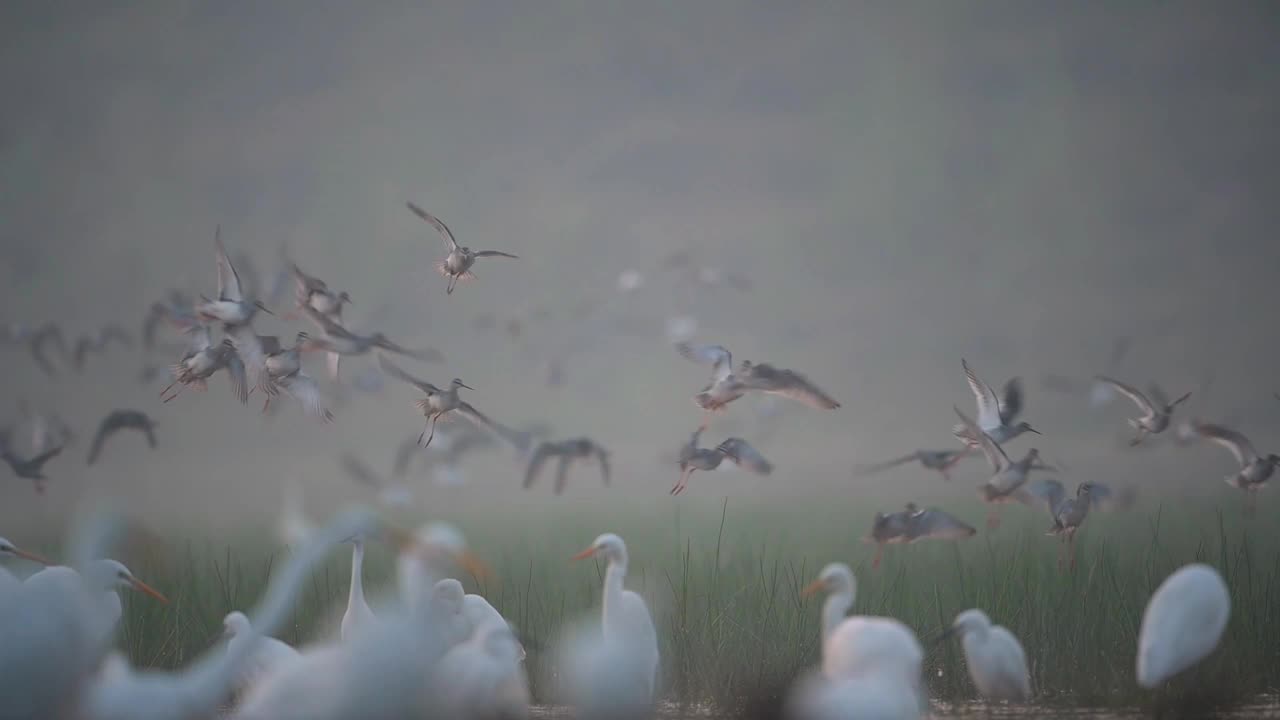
[(435, 223), (544, 451), (1041, 492), (988, 403), (494, 253), (745, 456), (864, 469), (936, 525), (307, 392), (1130, 392), (235, 372), (715, 355), (788, 384), (249, 347), (394, 371), (1238, 444), (425, 354), (1011, 401), (228, 281), (995, 454)]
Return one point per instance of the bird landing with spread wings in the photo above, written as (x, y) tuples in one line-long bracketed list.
[(727, 385), (738, 450), (438, 403), (1156, 409), (457, 264), (567, 452), (996, 415)]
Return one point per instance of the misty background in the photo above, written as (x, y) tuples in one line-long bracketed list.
[(904, 185)]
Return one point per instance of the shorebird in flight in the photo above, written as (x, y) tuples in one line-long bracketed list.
[(27, 468), (1068, 517), (122, 420), (567, 452), (439, 403), (1255, 469), (996, 415), (1156, 409), (940, 461), (201, 360), (235, 308), (727, 385), (339, 341), (738, 450), (457, 264), (913, 524), (312, 292), (1008, 475)]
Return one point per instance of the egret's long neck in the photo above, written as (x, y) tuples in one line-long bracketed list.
[(208, 681), (833, 611), (612, 595), (356, 594)]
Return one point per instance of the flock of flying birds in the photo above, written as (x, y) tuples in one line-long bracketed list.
[(437, 652)]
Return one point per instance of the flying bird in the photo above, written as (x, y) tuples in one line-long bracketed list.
[(1068, 517), (202, 359), (996, 415), (727, 385), (913, 524), (44, 343), (1155, 406), (738, 450), (567, 452), (284, 372), (1255, 470), (27, 468), (940, 461), (439, 403), (98, 343), (1008, 475), (338, 341), (457, 264), (235, 308), (122, 420), (312, 292)]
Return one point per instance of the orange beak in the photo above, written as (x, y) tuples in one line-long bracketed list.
[(474, 565), (148, 590), (31, 556), (812, 588), (584, 554)]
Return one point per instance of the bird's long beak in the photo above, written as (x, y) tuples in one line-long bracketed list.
[(148, 590), (1031, 429), (474, 565), (264, 309), (25, 555), (462, 384), (584, 554), (812, 588)]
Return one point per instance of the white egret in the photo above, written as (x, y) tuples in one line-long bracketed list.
[(1183, 623), (197, 691), (269, 654), (104, 578), (997, 663), (625, 617), (358, 614), (482, 678), (860, 644), (380, 673)]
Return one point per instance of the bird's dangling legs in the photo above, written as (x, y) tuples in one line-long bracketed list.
[(680, 484), (1071, 549), (993, 518), (453, 280), (266, 404), (1142, 435), (432, 426), (875, 561)]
